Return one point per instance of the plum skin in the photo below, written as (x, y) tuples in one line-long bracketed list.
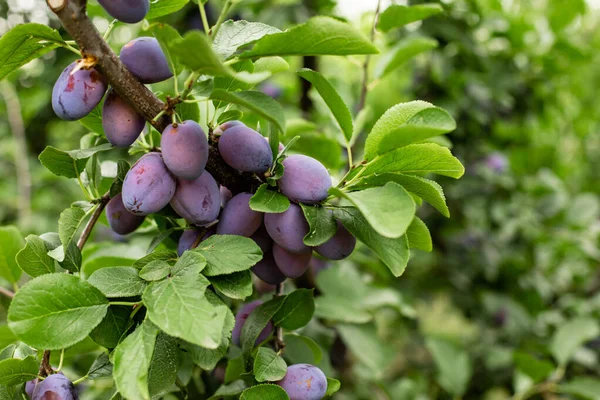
[(304, 180), (292, 265), (240, 319), (340, 246), (120, 220), (197, 201), (185, 149), (144, 58), (288, 229), (75, 95), (245, 149), (121, 123), (304, 382), (128, 11), (148, 186), (55, 386), (188, 237), (238, 218)]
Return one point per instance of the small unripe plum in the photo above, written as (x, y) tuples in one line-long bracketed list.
[(185, 149), (188, 237), (76, 94), (292, 265), (120, 220), (288, 229), (148, 186), (245, 149), (304, 180), (122, 124), (144, 58), (128, 11), (304, 382), (267, 270), (240, 320), (197, 201), (55, 387), (238, 218), (226, 195), (226, 125), (340, 246)]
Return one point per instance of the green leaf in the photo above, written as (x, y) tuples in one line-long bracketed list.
[(301, 349), (231, 389), (122, 169), (269, 201), (167, 36), (160, 8), (570, 336), (101, 367), (426, 189), (389, 208), (165, 255), (24, 43), (317, 36), (230, 115), (454, 366), (393, 252), (257, 321), (155, 270), (274, 65), (34, 259), (234, 34), (322, 225), (402, 52), (93, 121), (189, 264), (257, 102), (132, 362), (318, 146), (14, 371), (334, 101), (396, 16), (55, 311), (333, 386), (226, 254), (418, 235), (114, 325), (265, 391), (72, 258), (586, 387), (296, 311), (163, 366), (268, 365), (237, 285), (68, 224), (118, 281), (61, 163), (178, 307), (535, 368), (12, 242), (365, 345)]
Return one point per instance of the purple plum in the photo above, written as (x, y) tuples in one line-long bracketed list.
[(185, 149), (288, 229), (75, 94), (144, 58), (120, 220), (304, 180), (122, 124), (198, 201), (238, 218)]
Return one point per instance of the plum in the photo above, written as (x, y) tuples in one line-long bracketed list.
[(267, 270), (30, 387), (317, 265), (198, 201), (148, 186), (128, 11), (292, 265), (240, 319), (288, 229), (75, 94), (226, 195), (120, 220), (340, 246), (55, 387), (238, 218), (304, 382), (121, 123), (226, 125), (185, 149), (245, 149), (304, 180), (144, 58), (188, 237)]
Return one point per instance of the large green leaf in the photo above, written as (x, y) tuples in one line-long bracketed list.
[(55, 311), (418, 235), (163, 366), (160, 8), (396, 15), (322, 225), (296, 311), (69, 164), (237, 285), (266, 391), (14, 371), (257, 102), (257, 321), (268, 201), (317, 36), (116, 322), (118, 281), (268, 365), (571, 336), (402, 52), (69, 222), (34, 259), (226, 254), (234, 34), (12, 242)]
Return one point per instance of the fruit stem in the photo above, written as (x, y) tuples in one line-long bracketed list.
[(279, 343), (6, 292), (93, 219), (204, 19), (222, 16)]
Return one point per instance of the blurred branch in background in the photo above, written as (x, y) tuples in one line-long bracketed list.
[(17, 127)]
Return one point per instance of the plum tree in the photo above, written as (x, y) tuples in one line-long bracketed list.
[(120, 220), (55, 387), (77, 92), (185, 149), (148, 185), (288, 228), (238, 218), (189, 236), (144, 58), (121, 123), (292, 265), (304, 382), (245, 149), (240, 319), (197, 201), (340, 246), (305, 180), (128, 11)]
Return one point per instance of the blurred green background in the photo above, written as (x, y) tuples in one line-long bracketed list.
[(507, 304)]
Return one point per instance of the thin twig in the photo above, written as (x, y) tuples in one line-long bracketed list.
[(222, 16), (204, 19), (6, 292), (93, 219), (365, 82), (279, 342)]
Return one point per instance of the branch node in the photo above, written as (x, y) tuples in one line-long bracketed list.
[(56, 5)]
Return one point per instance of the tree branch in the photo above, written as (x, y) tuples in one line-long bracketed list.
[(6, 292), (93, 219), (72, 14)]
